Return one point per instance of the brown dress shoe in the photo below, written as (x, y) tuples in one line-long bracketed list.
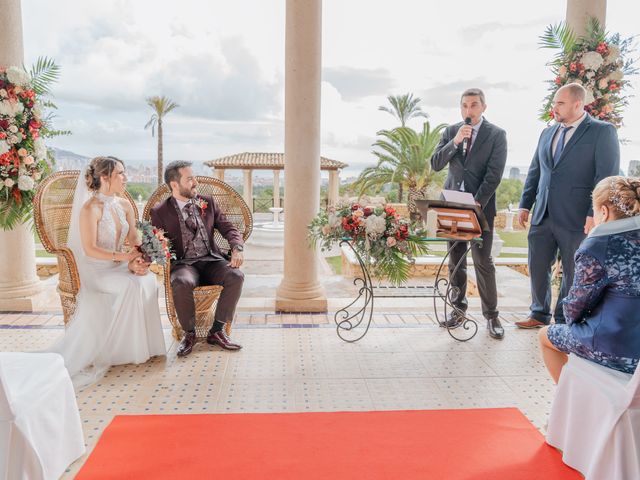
[(530, 323), (186, 344), (221, 339)]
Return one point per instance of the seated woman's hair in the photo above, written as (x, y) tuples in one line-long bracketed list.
[(100, 167), (620, 194)]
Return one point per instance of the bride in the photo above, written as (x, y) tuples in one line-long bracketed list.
[(117, 318)]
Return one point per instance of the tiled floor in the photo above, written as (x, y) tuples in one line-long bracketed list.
[(404, 362)]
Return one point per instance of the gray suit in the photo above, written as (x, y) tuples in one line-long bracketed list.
[(481, 172), (562, 197)]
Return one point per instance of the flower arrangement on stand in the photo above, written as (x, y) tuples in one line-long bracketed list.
[(386, 243), (598, 61), (24, 158)]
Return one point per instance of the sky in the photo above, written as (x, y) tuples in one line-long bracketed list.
[(223, 63)]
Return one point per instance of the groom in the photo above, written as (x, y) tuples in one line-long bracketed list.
[(188, 220)]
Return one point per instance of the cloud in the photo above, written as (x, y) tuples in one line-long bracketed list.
[(356, 83), (447, 95)]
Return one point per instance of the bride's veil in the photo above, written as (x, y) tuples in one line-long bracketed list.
[(74, 241)]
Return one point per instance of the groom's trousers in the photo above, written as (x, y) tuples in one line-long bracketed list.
[(186, 277)]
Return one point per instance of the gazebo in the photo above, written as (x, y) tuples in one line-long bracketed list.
[(249, 161)]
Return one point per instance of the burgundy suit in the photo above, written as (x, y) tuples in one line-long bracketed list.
[(211, 269)]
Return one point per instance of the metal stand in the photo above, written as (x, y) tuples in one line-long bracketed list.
[(347, 323)]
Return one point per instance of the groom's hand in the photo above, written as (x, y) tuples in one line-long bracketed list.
[(237, 258)]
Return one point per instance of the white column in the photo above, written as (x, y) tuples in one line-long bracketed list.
[(579, 11), (334, 187), (219, 173), (19, 284), (247, 190), (300, 290), (276, 188)]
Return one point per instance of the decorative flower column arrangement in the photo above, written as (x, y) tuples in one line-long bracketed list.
[(23, 162), (598, 61)]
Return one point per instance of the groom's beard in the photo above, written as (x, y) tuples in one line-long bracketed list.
[(188, 193)]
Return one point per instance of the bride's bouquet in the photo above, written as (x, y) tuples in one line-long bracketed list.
[(155, 247)]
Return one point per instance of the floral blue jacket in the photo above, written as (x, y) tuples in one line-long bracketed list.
[(603, 305)]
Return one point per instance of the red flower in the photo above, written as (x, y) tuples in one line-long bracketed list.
[(355, 207), (3, 135), (613, 86), (390, 210), (4, 124), (573, 66), (558, 81), (551, 114), (367, 211), (202, 204), (602, 48)]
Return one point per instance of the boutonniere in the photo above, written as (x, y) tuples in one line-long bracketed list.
[(202, 205)]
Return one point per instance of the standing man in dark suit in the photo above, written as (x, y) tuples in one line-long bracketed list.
[(478, 172), (188, 220), (572, 156)]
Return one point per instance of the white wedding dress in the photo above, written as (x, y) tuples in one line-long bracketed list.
[(117, 318)]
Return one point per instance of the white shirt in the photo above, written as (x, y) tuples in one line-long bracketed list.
[(474, 135), (568, 134)]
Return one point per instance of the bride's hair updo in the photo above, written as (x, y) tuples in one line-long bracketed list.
[(620, 194), (100, 167)]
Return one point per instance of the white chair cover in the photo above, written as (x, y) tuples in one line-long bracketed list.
[(595, 420), (40, 428)]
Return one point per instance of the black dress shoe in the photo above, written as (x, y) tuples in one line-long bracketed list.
[(454, 319), (186, 344), (495, 328), (222, 340)]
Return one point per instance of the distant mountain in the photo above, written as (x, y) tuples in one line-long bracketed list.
[(66, 160)]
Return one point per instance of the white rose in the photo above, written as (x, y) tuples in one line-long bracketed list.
[(375, 226), (17, 76), (589, 75), (13, 129), (4, 148), (603, 83), (39, 148), (562, 71), (5, 107), (333, 220), (37, 110), (3, 93), (592, 60), (589, 98), (9, 183), (616, 75), (12, 140), (25, 183), (614, 54), (28, 160)]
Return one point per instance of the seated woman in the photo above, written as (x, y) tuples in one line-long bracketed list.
[(602, 308), (117, 318)]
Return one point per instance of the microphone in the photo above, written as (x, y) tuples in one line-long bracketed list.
[(465, 141)]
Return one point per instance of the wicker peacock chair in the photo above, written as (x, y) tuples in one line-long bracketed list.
[(52, 214), (206, 297)]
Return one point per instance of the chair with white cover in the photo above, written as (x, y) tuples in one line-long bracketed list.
[(40, 428), (595, 420)]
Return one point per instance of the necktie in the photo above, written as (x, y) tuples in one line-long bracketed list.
[(470, 142), (190, 221), (560, 145)]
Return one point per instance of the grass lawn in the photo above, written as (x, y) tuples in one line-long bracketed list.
[(517, 238), (335, 263)]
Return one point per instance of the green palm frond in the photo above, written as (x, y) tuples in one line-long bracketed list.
[(161, 106), (404, 107), (559, 36), (44, 73)]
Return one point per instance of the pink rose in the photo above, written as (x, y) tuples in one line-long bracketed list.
[(22, 152), (28, 160), (391, 242), (326, 230)]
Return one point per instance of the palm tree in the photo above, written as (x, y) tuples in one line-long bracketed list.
[(404, 107), (161, 106), (404, 158)]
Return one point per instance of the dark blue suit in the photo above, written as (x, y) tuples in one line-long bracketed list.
[(561, 194)]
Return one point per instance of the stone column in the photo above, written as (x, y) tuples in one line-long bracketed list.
[(334, 187), (247, 190), (219, 173), (300, 290), (276, 188), (579, 11), (19, 284)]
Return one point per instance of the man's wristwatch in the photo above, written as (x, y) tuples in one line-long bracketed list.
[(238, 248)]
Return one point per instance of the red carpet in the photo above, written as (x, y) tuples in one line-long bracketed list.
[(483, 444)]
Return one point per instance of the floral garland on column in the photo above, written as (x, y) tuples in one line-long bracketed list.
[(24, 158), (598, 61)]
